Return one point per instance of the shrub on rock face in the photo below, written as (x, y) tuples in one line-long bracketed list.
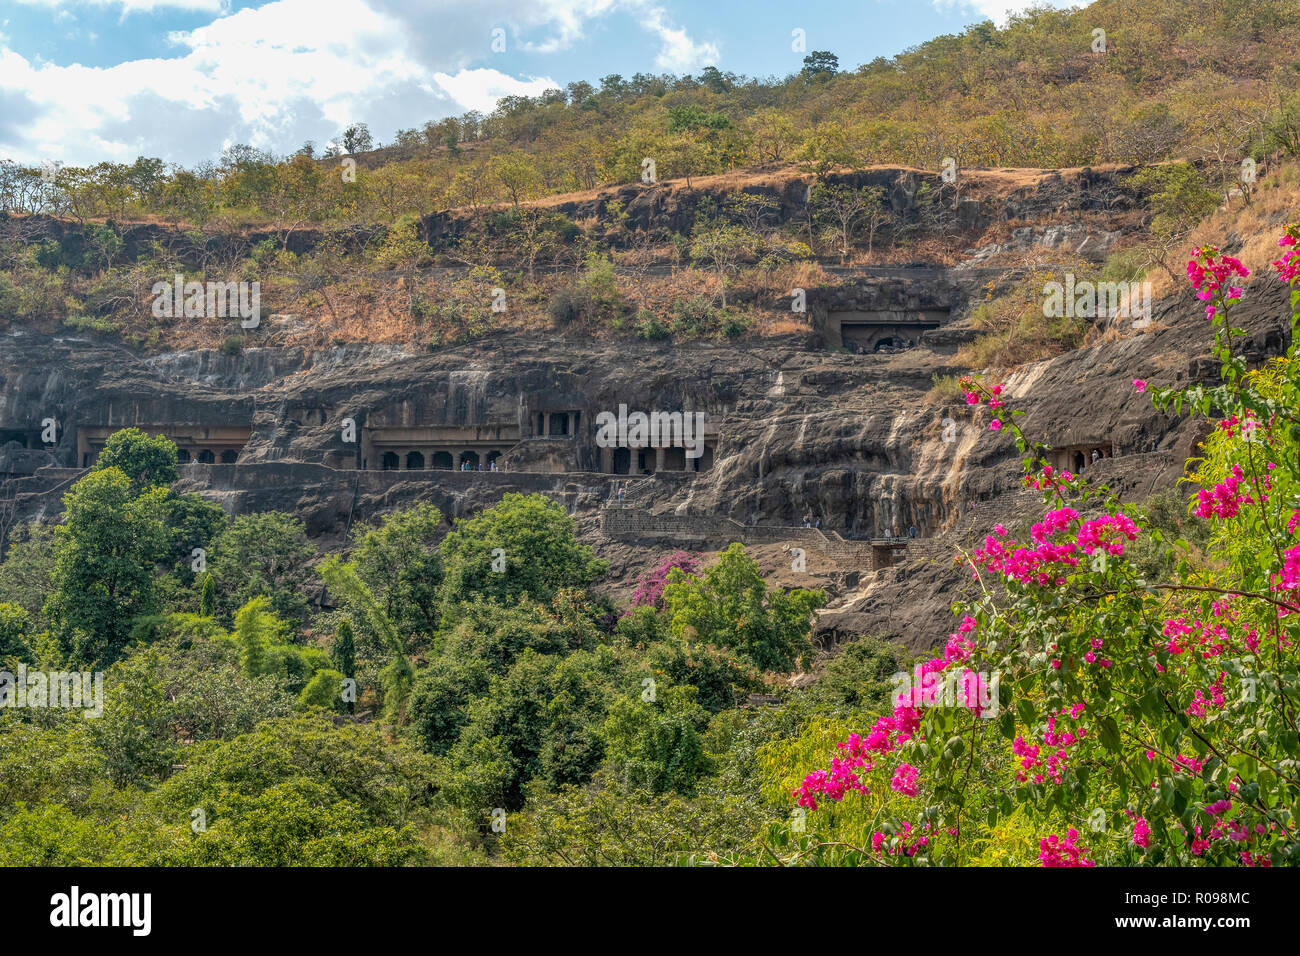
[(1124, 712), (650, 327), (567, 305)]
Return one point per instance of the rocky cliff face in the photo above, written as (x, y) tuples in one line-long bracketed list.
[(793, 428)]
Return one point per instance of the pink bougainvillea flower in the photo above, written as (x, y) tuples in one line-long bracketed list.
[(904, 780), (1053, 851), (1141, 833), (1139, 386)]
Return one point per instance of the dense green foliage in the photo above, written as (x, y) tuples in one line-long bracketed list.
[(473, 682)]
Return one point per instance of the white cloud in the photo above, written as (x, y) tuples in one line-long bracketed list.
[(139, 6), (679, 54), (480, 89), (998, 10), (291, 70)]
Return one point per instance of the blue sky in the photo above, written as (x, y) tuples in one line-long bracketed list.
[(88, 80)]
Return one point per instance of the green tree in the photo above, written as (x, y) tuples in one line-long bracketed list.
[(655, 745), (190, 521), (729, 606), (147, 461), (356, 138), (540, 720), (525, 544), (292, 791), (28, 568), (440, 700), (604, 825), (722, 245), (847, 210), (104, 575), (208, 600), (824, 147), (344, 652), (323, 690), (1178, 199), (517, 172), (256, 629), (400, 562), (265, 554), (820, 64), (15, 636), (176, 690), (396, 678)]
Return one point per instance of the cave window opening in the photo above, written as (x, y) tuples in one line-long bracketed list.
[(229, 456), (206, 457), (390, 461)]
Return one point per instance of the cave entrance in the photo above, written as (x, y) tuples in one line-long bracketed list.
[(390, 461), (443, 461), (704, 462), (892, 335), (205, 444), (28, 439), (469, 461), (1079, 456), (622, 461), (414, 461)]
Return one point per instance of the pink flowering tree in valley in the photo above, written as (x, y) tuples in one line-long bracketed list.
[(1116, 715), (650, 585)]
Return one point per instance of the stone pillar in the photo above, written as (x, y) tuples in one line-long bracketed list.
[(607, 461), (659, 460)]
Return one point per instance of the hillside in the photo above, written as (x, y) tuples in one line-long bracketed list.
[(329, 467)]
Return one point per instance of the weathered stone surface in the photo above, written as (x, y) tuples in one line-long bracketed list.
[(795, 429)]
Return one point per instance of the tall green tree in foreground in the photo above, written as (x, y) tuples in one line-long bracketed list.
[(104, 573)]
